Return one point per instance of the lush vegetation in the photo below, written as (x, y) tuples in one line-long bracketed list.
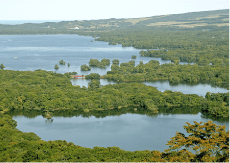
[(115, 62), (56, 67), (94, 84), (175, 73), (16, 146), (42, 90), (61, 62), (85, 68), (133, 56), (93, 76), (2, 66), (97, 63)]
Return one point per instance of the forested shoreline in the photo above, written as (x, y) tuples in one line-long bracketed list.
[(175, 73), (43, 90)]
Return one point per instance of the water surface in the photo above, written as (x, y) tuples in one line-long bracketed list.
[(32, 52), (127, 131)]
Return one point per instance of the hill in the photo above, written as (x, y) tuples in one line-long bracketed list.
[(216, 18)]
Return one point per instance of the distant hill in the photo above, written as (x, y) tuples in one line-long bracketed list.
[(218, 18)]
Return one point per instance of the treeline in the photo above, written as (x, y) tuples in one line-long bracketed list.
[(184, 21), (48, 91), (16, 146), (179, 55), (96, 63), (109, 112), (175, 73), (202, 46)]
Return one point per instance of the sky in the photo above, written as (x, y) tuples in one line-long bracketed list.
[(101, 9)]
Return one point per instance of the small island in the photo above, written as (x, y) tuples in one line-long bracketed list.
[(85, 68), (134, 57)]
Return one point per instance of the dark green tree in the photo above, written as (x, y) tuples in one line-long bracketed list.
[(94, 84), (2, 66), (56, 67), (116, 61), (61, 62), (133, 56), (85, 68)]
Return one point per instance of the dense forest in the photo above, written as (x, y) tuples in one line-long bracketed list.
[(199, 38), (217, 75), (43, 90)]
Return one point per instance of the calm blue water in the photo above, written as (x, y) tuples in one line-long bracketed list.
[(127, 131), (31, 52)]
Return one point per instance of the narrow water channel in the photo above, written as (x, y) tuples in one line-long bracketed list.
[(199, 89)]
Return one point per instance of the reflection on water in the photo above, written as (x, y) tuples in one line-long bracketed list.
[(49, 121)]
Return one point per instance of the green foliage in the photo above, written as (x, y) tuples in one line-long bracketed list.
[(105, 62), (2, 66), (85, 68), (97, 63), (72, 73), (94, 62), (115, 62), (114, 68), (92, 76), (42, 90), (56, 67), (217, 105), (133, 56), (61, 62), (68, 64), (175, 73), (209, 143), (94, 84)]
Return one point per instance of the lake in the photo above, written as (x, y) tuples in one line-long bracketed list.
[(127, 131), (32, 52)]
